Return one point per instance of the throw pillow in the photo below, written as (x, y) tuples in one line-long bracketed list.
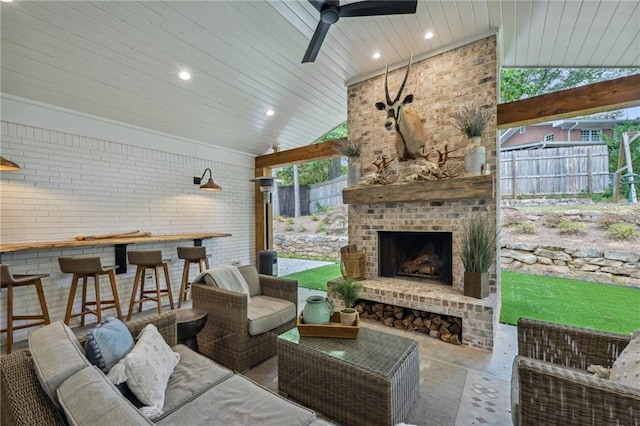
[(626, 368), (147, 369), (108, 343)]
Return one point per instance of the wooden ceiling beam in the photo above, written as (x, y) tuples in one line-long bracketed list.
[(313, 152), (605, 96)]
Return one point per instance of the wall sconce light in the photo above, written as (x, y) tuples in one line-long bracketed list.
[(210, 185), (8, 166)]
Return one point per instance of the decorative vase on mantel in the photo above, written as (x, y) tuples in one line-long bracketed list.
[(354, 171), (474, 158)]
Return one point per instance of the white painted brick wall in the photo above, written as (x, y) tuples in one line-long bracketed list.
[(73, 185)]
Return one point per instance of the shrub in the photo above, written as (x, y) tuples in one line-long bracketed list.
[(280, 218), (607, 219), (620, 231), (314, 217), (302, 228), (571, 228), (525, 228), (513, 218), (322, 228), (289, 221), (553, 220)]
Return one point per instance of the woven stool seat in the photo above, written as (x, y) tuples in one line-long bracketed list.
[(148, 259), (86, 267), (9, 281), (191, 255)]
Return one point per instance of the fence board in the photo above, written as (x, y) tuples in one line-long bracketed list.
[(563, 170), (286, 201), (327, 194)]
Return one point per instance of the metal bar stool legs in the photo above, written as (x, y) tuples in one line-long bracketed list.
[(191, 255), (152, 260), (9, 281), (85, 268)]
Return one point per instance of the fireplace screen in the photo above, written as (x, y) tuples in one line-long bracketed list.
[(416, 254)]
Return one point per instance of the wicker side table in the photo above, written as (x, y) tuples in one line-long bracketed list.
[(371, 380), (190, 323)]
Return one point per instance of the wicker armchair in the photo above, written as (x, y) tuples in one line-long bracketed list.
[(225, 338), (551, 385)]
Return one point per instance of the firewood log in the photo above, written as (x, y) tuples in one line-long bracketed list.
[(445, 337), (388, 322), (408, 319), (434, 333), (455, 340)]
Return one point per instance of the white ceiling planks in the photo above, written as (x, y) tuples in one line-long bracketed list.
[(120, 60)]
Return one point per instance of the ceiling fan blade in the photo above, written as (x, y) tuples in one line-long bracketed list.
[(378, 7), (316, 42), (317, 4)]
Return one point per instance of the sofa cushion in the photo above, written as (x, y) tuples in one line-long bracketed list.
[(240, 401), (88, 398), (147, 369), (108, 343), (193, 375), (250, 274), (57, 355), (266, 313), (626, 368)]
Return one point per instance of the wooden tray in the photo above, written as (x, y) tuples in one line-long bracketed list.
[(333, 329)]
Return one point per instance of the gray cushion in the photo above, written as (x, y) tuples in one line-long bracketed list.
[(250, 274), (626, 368), (266, 313), (239, 401), (57, 355), (193, 375), (108, 343), (88, 398)]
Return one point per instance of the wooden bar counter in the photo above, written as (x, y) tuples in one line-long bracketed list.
[(120, 244)]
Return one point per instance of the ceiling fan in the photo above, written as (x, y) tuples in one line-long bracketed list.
[(331, 11)]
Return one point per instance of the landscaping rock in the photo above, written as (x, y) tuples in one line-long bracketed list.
[(520, 256), (624, 256), (555, 255)]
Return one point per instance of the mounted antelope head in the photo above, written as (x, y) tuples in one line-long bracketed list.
[(410, 136)]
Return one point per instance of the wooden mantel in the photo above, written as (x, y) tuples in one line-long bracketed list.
[(422, 190)]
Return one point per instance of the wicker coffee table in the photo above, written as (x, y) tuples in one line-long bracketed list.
[(371, 380)]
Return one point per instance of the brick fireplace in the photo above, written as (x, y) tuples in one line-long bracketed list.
[(426, 216)]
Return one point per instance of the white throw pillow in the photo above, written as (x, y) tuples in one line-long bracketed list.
[(147, 369)]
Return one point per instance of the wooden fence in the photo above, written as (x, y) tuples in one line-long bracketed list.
[(326, 194), (286, 201), (564, 170)]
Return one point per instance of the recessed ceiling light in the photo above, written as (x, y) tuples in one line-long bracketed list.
[(7, 1), (184, 75), (376, 55), (270, 112), (428, 35)]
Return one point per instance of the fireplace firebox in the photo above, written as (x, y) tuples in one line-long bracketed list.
[(426, 255)]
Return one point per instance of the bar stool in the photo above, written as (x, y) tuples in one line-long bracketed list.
[(190, 255), (9, 281), (86, 267), (148, 259)]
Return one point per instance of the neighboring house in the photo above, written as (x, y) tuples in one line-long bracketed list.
[(559, 133)]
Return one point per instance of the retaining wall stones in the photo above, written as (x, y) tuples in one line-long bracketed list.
[(312, 246), (588, 264)]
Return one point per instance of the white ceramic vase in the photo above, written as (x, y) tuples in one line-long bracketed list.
[(474, 158), (354, 171)]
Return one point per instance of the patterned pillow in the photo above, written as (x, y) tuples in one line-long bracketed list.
[(147, 369), (108, 343)]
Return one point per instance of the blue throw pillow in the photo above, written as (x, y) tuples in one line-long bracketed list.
[(108, 343)]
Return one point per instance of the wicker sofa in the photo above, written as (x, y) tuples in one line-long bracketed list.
[(199, 392), (227, 337), (551, 385)]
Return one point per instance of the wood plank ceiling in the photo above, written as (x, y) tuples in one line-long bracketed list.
[(120, 60)]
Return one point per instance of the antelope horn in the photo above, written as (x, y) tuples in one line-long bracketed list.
[(386, 88), (406, 75)]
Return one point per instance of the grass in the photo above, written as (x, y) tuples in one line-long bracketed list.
[(571, 302), (316, 278), (595, 306)]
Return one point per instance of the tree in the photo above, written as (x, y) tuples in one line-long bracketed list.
[(614, 150), (521, 83), (317, 171)]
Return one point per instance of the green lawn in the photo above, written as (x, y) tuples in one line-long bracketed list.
[(572, 302), (316, 278)]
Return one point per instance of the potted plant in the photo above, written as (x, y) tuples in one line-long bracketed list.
[(477, 255), (348, 290), (472, 122), (352, 149)]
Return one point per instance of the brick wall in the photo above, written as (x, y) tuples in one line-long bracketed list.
[(441, 85), (81, 184)]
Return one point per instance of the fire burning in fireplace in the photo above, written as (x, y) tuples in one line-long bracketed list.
[(426, 255)]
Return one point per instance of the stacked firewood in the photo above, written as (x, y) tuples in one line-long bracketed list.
[(426, 264), (444, 327)]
